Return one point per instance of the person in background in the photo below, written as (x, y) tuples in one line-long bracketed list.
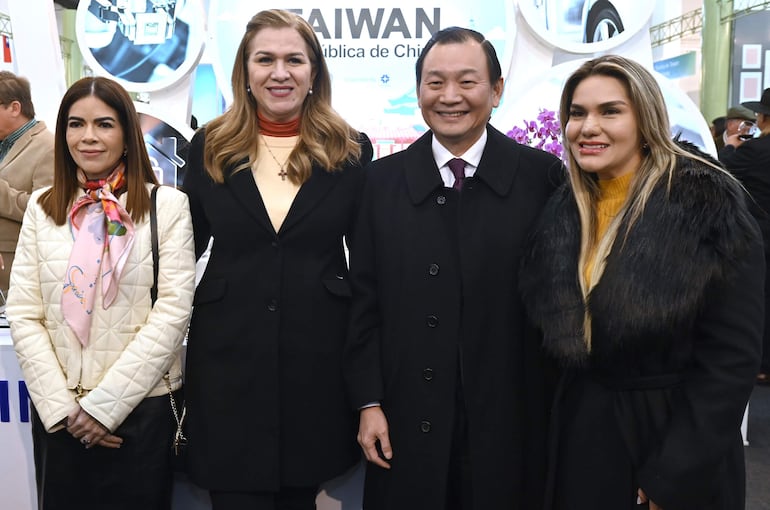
[(645, 275), (99, 358), (276, 181), (26, 162), (718, 126), (738, 121), (749, 161), (441, 362)]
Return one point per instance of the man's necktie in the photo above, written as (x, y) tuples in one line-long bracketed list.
[(457, 166)]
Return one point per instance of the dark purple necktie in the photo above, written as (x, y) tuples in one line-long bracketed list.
[(457, 166)]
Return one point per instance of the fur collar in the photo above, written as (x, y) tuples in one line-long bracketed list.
[(653, 285)]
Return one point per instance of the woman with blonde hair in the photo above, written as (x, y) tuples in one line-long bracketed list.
[(100, 352), (645, 275), (275, 181)]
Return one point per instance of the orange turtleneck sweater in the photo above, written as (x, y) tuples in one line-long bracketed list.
[(613, 194)]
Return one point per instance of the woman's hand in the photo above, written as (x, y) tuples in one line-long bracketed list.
[(89, 432), (644, 499)]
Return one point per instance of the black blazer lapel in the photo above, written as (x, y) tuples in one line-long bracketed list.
[(498, 167), (310, 194), (246, 193), (422, 176)]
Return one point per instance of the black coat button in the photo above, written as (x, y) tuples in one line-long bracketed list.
[(441, 200), (427, 374), (425, 426), (431, 321), (433, 269), (275, 244), (272, 305)]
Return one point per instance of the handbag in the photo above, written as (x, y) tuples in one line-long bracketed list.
[(180, 441)]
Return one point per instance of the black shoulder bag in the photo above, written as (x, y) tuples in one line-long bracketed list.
[(180, 441)]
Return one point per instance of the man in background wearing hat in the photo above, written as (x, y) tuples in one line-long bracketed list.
[(749, 161), (735, 116)]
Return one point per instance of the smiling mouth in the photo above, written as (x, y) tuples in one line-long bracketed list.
[(451, 114)]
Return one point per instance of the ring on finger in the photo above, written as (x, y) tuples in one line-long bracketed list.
[(85, 440)]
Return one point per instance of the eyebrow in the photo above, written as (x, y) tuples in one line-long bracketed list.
[(461, 72), (270, 53), (619, 102), (98, 119)]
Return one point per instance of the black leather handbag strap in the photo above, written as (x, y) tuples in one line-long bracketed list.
[(154, 238)]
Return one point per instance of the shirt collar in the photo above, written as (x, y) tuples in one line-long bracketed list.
[(472, 156), (7, 143)]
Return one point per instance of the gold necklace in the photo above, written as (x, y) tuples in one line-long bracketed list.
[(282, 172)]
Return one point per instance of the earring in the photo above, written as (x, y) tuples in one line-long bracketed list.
[(645, 146), (248, 89), (125, 151), (310, 92)]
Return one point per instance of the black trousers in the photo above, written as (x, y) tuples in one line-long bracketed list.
[(288, 498), (135, 476)]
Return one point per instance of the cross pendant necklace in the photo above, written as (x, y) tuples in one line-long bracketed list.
[(282, 172)]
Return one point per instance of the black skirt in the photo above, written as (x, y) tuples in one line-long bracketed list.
[(136, 475)]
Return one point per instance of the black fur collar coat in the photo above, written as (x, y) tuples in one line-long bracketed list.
[(654, 285), (677, 320)]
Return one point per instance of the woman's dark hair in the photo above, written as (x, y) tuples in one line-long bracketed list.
[(57, 200)]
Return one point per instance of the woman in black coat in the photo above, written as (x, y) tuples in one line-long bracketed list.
[(275, 181), (646, 276)]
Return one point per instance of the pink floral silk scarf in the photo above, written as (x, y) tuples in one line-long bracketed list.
[(104, 234)]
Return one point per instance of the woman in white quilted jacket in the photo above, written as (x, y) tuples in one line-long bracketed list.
[(98, 355)]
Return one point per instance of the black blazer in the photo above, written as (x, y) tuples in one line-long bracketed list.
[(434, 276), (264, 387)]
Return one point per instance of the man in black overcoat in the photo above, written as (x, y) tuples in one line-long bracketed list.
[(749, 161), (441, 361)]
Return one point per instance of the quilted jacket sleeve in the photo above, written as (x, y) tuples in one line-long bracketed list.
[(42, 372), (158, 343)]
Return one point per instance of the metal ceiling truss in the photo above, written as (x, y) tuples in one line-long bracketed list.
[(5, 25), (688, 23), (691, 22)]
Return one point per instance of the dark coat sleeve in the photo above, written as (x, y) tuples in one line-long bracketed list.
[(362, 367), (726, 348), (736, 158)]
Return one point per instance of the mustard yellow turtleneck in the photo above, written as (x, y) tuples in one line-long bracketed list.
[(613, 193)]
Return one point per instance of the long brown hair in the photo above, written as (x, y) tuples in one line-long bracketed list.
[(57, 200), (324, 137), (659, 160)]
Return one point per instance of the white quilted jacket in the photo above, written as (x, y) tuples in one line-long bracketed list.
[(132, 345)]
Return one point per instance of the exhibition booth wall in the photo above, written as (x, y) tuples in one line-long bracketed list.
[(183, 69)]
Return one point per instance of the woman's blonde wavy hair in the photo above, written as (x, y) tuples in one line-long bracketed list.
[(659, 155), (324, 137)]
